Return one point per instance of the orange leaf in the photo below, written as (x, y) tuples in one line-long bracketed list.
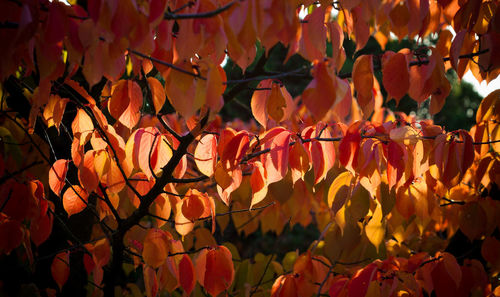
[(313, 42), (60, 268), (473, 220), (205, 154), (489, 251), (276, 104), (87, 174), (80, 90), (214, 269), (277, 140), (75, 200), (258, 182), (395, 75), (57, 175), (54, 110), (299, 161), (146, 141), (156, 247), (182, 224), (489, 109), (40, 228), (320, 94), (192, 205), (181, 90), (82, 124), (157, 93), (235, 150), (284, 286), (162, 208), (362, 77), (126, 102)]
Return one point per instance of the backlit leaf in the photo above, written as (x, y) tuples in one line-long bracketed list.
[(157, 93), (395, 75), (125, 103), (75, 200), (60, 268), (186, 274), (375, 229), (57, 175), (156, 247), (205, 154), (214, 269)]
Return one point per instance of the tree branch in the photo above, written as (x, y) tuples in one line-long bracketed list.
[(164, 63), (10, 175), (201, 15)]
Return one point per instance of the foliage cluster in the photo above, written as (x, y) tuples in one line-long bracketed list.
[(122, 172)]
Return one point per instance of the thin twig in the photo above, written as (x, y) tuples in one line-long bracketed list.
[(164, 63), (201, 15), (10, 175), (254, 290)]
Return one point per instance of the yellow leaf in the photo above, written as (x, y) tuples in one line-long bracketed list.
[(339, 191), (375, 229), (406, 134)]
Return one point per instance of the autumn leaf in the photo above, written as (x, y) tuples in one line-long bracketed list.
[(126, 102), (60, 268), (395, 75), (321, 93), (214, 269), (362, 77), (271, 100), (187, 277), (259, 183), (375, 229), (57, 175), (205, 154), (75, 200), (157, 93), (156, 247)]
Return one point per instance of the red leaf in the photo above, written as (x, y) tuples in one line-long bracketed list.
[(361, 280), (186, 274), (349, 147), (395, 163), (11, 233)]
